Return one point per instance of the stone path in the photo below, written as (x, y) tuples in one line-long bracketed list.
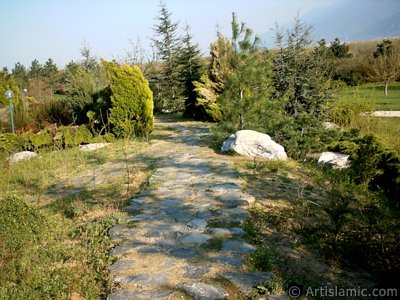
[(184, 229)]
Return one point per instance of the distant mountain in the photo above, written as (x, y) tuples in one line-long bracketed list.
[(354, 20)]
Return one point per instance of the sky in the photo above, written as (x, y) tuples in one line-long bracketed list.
[(58, 29)]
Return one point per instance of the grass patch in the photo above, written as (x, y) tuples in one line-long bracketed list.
[(374, 94), (55, 214)]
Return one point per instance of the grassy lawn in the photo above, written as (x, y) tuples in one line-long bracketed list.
[(55, 213), (374, 93)]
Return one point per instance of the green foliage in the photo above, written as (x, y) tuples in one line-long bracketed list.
[(211, 85), (75, 136), (132, 101), (41, 139), (7, 82), (167, 44), (189, 72), (10, 143), (372, 165), (261, 259), (301, 78)]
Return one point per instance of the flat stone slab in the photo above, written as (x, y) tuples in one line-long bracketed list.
[(235, 261), (199, 224), (247, 281), (233, 211), (170, 202), (219, 231), (203, 291), (148, 279), (183, 253), (196, 238), (139, 295), (237, 247), (225, 188), (121, 265), (235, 203), (179, 214), (196, 271)]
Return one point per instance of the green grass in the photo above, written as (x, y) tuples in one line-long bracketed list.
[(374, 93), (54, 244)]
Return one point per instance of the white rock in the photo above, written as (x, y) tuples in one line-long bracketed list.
[(21, 156), (93, 147), (254, 144), (330, 125), (338, 160)]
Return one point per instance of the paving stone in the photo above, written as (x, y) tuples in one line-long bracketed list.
[(203, 291), (149, 279), (121, 265), (204, 214), (196, 238), (235, 203), (199, 224), (139, 295), (237, 247), (170, 203), (219, 231), (247, 281), (238, 231), (233, 211), (184, 253), (196, 271), (235, 261), (125, 247), (225, 188), (179, 214)]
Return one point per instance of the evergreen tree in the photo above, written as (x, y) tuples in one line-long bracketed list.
[(167, 45), (131, 113), (245, 102), (302, 84), (35, 71), (189, 72), (21, 75), (211, 85)]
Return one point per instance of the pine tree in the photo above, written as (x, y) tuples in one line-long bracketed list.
[(245, 100), (189, 72), (167, 45)]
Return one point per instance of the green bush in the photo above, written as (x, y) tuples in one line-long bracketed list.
[(132, 101), (10, 143), (41, 139)]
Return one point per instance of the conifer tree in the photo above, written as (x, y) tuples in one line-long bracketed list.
[(189, 72), (131, 113), (167, 45)]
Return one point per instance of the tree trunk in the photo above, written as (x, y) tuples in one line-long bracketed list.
[(386, 88)]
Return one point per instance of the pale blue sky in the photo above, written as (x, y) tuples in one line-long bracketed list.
[(41, 29)]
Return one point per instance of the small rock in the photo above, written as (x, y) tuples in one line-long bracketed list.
[(219, 231), (336, 159), (196, 238), (237, 247), (183, 253), (330, 125), (199, 224), (93, 147), (23, 155), (202, 291)]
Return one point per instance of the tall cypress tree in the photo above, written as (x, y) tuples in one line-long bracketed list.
[(189, 71), (167, 45)]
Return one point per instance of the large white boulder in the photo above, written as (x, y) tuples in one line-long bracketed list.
[(254, 144), (21, 156), (335, 159)]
